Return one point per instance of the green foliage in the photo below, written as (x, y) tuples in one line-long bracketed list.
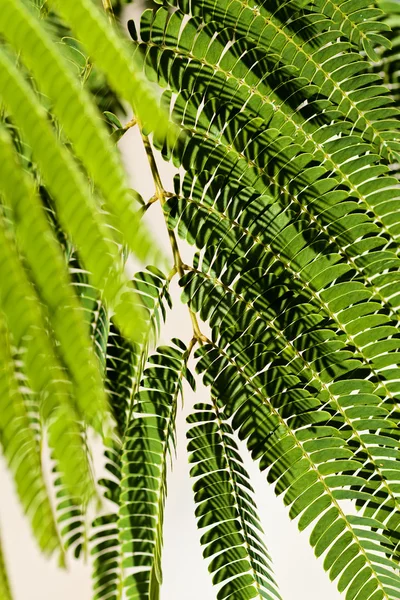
[(284, 122), (21, 451), (148, 438), (54, 79), (5, 592), (226, 509), (287, 139), (125, 366)]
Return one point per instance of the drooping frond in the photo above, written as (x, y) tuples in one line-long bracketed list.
[(94, 311), (148, 438), (113, 56), (92, 78), (83, 127), (309, 53), (125, 361), (105, 543), (49, 271), (271, 148), (30, 398), (107, 569), (22, 453), (72, 196), (124, 369), (233, 539), (21, 436), (121, 373), (313, 462), (298, 354), (5, 591), (25, 319), (306, 343), (70, 514)]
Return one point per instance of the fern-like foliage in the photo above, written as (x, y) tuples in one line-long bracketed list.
[(5, 591), (125, 364), (284, 124), (226, 509), (46, 206), (148, 439), (287, 139), (21, 451)]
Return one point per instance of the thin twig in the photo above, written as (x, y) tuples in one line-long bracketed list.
[(129, 124), (162, 195), (109, 10)]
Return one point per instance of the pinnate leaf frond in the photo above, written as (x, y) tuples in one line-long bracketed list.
[(5, 590), (284, 125), (233, 539), (21, 451), (148, 439)]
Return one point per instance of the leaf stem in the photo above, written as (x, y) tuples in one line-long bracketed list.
[(129, 124), (162, 195), (109, 10)]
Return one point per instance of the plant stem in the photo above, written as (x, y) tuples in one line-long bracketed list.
[(130, 124), (154, 169), (109, 10), (161, 195)]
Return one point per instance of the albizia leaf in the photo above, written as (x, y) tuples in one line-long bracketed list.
[(148, 438), (77, 210), (75, 109), (233, 539), (5, 591), (22, 451), (38, 244)]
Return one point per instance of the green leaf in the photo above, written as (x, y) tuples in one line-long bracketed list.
[(38, 244), (74, 109), (114, 58), (5, 591), (147, 441), (22, 452), (303, 481), (75, 205), (226, 508), (284, 128), (24, 317), (111, 118)]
